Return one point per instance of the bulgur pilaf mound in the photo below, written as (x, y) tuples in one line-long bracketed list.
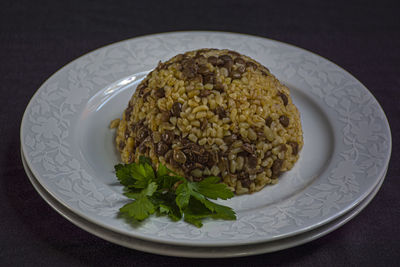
[(213, 112)]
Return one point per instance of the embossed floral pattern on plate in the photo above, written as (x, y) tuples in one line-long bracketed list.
[(69, 149), (200, 252)]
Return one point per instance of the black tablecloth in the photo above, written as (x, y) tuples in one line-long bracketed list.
[(39, 37)]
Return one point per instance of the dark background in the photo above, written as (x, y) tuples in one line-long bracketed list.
[(38, 37)]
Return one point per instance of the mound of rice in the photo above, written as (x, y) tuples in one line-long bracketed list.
[(213, 112)]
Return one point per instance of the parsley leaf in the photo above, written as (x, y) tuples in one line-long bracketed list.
[(183, 194), (195, 212), (135, 175), (170, 209), (142, 207), (211, 188), (139, 209), (162, 170), (188, 193), (123, 174), (165, 192), (219, 211), (143, 173)]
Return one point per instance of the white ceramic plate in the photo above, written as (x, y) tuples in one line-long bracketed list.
[(347, 143), (192, 251)]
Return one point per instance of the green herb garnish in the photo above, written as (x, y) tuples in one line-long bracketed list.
[(165, 193)]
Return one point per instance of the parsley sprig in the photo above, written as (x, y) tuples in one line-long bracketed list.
[(164, 192)]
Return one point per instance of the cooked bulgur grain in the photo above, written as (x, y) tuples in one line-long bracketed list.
[(213, 112)]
